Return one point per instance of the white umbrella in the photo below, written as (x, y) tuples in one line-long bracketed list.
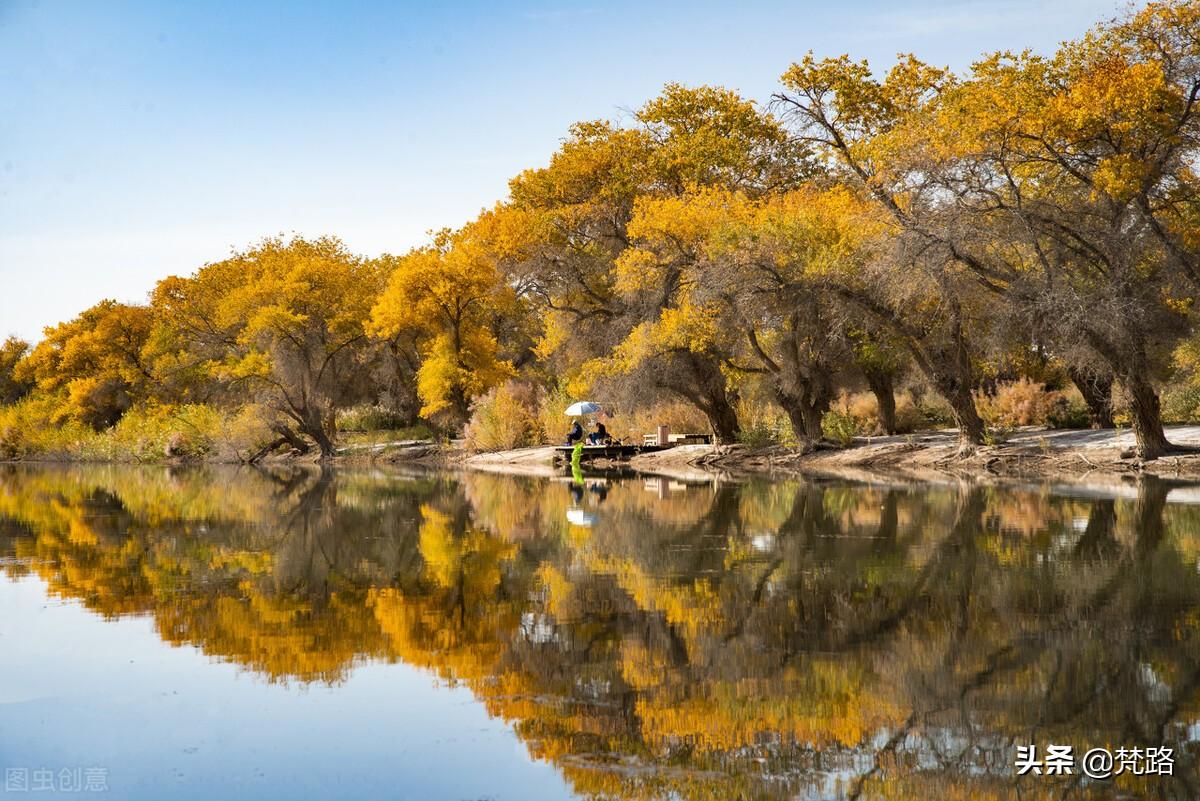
[(580, 517), (582, 407)]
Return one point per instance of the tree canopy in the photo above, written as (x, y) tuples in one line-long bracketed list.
[(912, 230)]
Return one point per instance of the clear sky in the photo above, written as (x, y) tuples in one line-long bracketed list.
[(143, 139)]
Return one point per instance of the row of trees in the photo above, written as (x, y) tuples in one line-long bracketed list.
[(1034, 217)]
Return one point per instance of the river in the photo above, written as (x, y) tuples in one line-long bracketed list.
[(291, 633)]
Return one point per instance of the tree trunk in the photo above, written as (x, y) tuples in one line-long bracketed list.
[(325, 443), (1146, 415), (970, 425), (290, 437), (882, 385), (402, 383), (723, 420), (321, 428), (957, 390), (1099, 538), (813, 410), (707, 391), (791, 408), (1096, 389), (1151, 504), (805, 403)]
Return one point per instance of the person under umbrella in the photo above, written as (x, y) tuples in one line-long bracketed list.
[(599, 436), (576, 410)]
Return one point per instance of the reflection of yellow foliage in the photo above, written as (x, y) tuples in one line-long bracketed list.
[(472, 559), (700, 637), (825, 703)]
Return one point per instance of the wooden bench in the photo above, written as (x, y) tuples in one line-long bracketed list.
[(679, 439), (690, 439)]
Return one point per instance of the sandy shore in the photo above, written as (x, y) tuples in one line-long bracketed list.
[(1027, 453)]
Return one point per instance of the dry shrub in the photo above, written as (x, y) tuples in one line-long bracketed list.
[(908, 416), (863, 409), (505, 418), (679, 417), (1017, 403), (859, 410)]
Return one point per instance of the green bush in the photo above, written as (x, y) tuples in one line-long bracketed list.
[(1069, 410), (839, 427), (1181, 403), (936, 411), (368, 417), (27, 431), (760, 434), (148, 433), (155, 433)]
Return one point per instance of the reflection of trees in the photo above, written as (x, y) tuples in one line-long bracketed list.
[(712, 641), (267, 570)]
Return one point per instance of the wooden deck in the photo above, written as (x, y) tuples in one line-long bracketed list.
[(614, 452)]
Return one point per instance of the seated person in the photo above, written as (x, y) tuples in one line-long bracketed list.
[(599, 436), (575, 434)]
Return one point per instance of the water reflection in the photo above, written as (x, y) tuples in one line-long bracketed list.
[(658, 639)]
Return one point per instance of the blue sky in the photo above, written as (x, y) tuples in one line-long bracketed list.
[(140, 139)]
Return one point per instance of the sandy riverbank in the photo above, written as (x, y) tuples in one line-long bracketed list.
[(1028, 453)]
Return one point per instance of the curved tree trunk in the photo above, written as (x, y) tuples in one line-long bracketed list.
[(948, 369), (325, 443), (289, 437), (805, 400), (970, 425), (323, 439), (813, 413), (1096, 389), (320, 427), (1146, 416), (706, 390), (723, 419), (956, 387), (1128, 363), (796, 418), (805, 417)]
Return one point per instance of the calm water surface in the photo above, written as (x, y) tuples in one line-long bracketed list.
[(224, 633)]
